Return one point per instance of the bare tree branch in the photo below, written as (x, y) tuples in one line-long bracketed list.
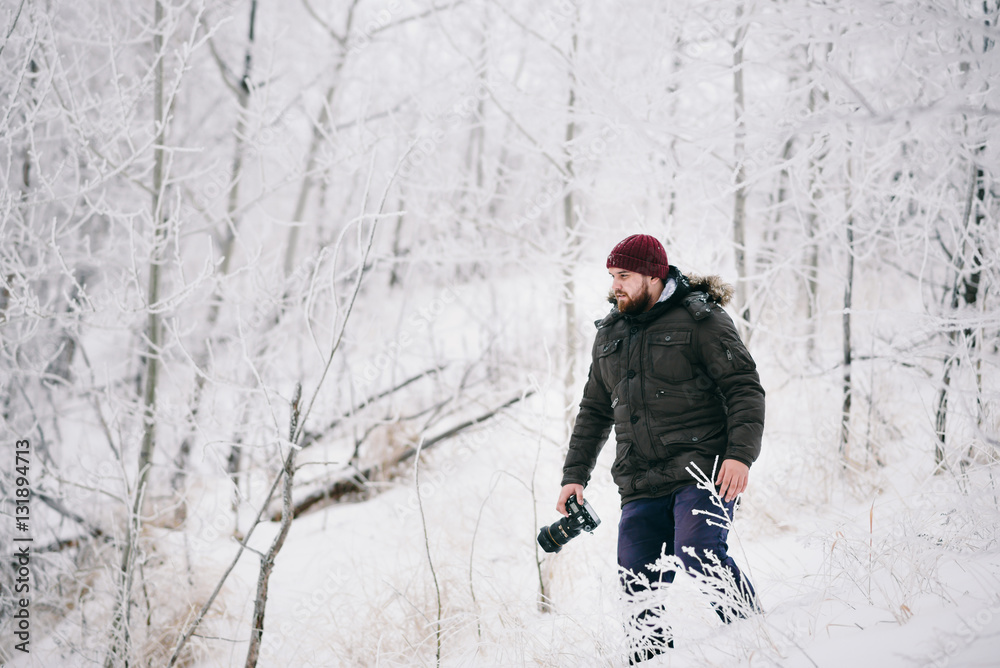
[(310, 437), (359, 481)]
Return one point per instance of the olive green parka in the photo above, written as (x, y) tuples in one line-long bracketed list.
[(679, 387)]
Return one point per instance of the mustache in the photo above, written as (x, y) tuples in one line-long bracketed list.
[(613, 296)]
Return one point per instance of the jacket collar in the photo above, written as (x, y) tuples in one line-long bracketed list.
[(682, 290)]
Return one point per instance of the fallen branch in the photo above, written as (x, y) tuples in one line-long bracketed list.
[(310, 437), (57, 505), (359, 480)]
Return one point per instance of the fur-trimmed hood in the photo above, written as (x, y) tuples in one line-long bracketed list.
[(718, 290)]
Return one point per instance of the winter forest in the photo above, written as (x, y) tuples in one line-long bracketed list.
[(297, 302)]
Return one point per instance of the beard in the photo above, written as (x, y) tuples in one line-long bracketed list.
[(638, 303)]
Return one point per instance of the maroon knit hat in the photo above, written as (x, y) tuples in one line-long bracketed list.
[(642, 254)]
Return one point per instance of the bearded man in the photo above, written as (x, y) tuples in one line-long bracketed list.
[(670, 372)]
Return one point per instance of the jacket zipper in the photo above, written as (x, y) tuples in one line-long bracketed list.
[(642, 384)]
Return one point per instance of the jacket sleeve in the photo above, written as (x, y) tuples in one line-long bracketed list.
[(734, 372), (591, 430)]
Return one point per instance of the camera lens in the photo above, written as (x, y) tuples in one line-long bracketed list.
[(547, 542), (553, 537)]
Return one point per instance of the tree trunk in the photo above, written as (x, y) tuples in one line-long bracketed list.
[(812, 222), (397, 251), (317, 137), (941, 420), (740, 196), (845, 413), (572, 250), (968, 265), (967, 260), (120, 650), (267, 561), (771, 234), (229, 239), (154, 329)]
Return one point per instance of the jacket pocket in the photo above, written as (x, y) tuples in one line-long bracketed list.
[(737, 355), (619, 406), (673, 401), (622, 468), (692, 437), (666, 352), (610, 348), (607, 361)]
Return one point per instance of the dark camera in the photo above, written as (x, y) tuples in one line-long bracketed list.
[(580, 518)]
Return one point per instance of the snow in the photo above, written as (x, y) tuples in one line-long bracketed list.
[(874, 117), (353, 587)]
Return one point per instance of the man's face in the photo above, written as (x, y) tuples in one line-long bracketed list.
[(632, 290)]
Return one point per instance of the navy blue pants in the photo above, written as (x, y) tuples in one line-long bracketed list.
[(648, 524)]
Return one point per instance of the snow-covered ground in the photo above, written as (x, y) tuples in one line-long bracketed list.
[(906, 576), (878, 566)]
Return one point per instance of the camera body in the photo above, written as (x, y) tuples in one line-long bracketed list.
[(581, 518)]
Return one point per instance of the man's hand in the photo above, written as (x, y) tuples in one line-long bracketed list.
[(732, 480), (565, 493)]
